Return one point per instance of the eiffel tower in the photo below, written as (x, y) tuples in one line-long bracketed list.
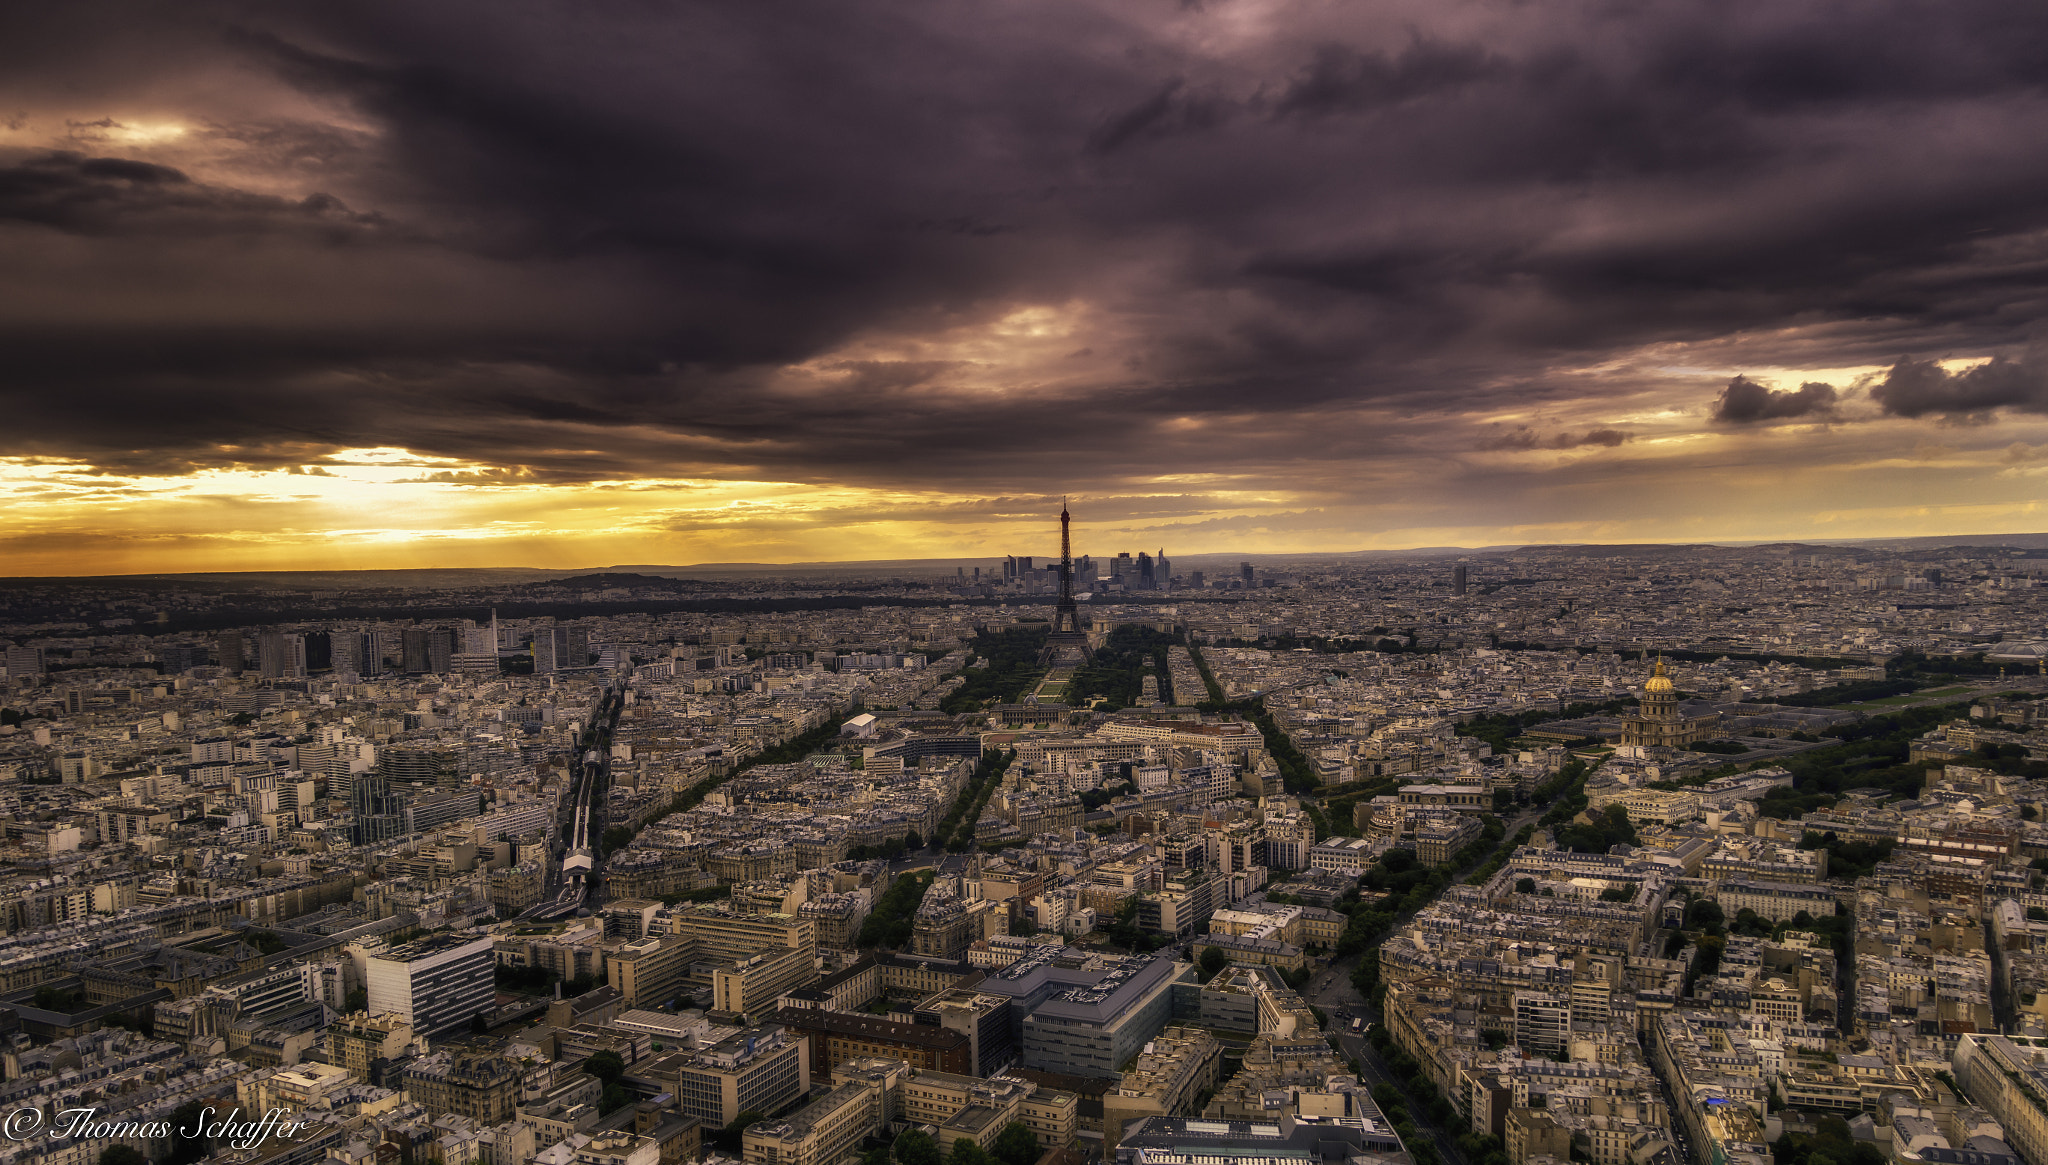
[(1066, 643)]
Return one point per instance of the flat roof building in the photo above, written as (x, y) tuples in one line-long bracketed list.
[(433, 984), (761, 1069), (752, 985), (1088, 1022), (839, 1036), (829, 1129), (649, 972), (983, 1017), (1167, 1140)]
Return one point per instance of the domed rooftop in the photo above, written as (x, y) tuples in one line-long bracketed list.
[(1658, 682)]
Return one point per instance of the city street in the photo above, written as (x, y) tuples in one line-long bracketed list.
[(1332, 991), (1373, 1070)]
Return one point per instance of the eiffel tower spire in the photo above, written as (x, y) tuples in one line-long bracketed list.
[(1066, 645), (1065, 617)]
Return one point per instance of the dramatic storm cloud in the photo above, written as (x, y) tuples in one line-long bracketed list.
[(1916, 388), (618, 282), (1744, 400)]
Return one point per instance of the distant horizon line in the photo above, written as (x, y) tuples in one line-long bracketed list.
[(1927, 541)]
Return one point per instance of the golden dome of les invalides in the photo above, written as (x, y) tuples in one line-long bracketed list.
[(1658, 681)]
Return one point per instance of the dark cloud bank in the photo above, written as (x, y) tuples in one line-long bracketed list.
[(1745, 401), (583, 238), (1918, 388)]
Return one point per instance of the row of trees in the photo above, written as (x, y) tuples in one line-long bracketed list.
[(889, 850), (889, 923), (538, 981), (1848, 691), (1117, 671), (1214, 690), (710, 893), (1016, 1144), (788, 752), (1407, 886), (1298, 775), (608, 1066), (1501, 730), (1341, 806), (1500, 857), (1873, 753), (614, 838), (1565, 792), (1378, 639), (1707, 926), (1812, 662), (958, 827), (1126, 933), (1478, 1149), (1611, 828), (1009, 667), (1849, 859), (1916, 664), (1093, 799)]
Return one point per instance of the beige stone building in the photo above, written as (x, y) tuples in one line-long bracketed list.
[(1167, 1080)]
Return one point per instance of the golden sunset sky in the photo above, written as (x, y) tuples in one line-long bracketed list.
[(388, 285)]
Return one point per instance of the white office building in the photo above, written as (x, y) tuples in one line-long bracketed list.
[(434, 984)]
